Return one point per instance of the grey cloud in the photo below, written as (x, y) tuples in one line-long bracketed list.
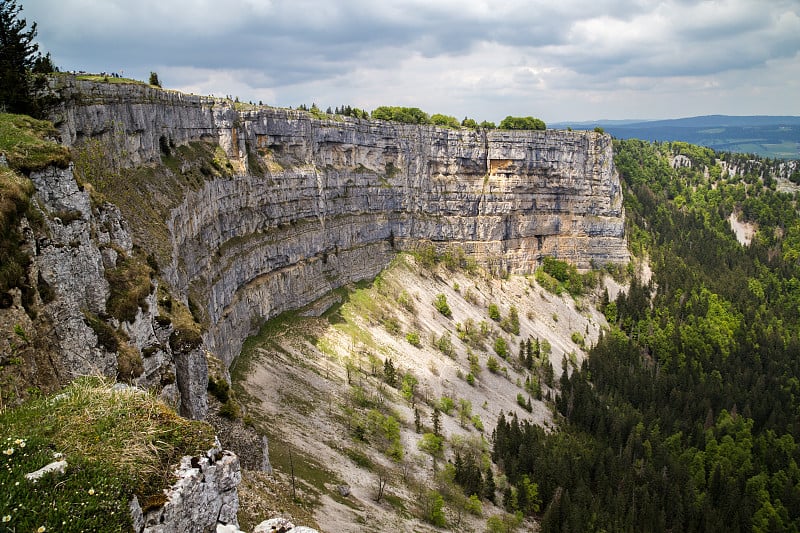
[(297, 47)]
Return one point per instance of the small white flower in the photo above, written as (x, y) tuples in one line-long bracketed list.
[(58, 455), (18, 441), (41, 529), (22, 444), (8, 451), (6, 518), (91, 492)]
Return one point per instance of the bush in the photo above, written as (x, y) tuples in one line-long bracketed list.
[(230, 410), (445, 345), (501, 347), (446, 404), (129, 363), (473, 505), (129, 285), (154, 80), (577, 338), (407, 115), (106, 336), (413, 339), (219, 389), (511, 323), (444, 120), (522, 123), (494, 312), (434, 509), (492, 365), (404, 299), (441, 305)]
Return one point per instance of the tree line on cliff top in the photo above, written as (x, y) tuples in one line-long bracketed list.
[(415, 115)]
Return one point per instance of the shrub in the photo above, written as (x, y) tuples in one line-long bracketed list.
[(522, 123), (446, 404), (413, 339), (441, 305), (492, 365), (445, 345), (219, 389), (444, 120), (129, 285), (404, 299), (129, 363), (510, 324), (501, 347), (230, 410), (473, 505), (494, 312), (154, 80), (106, 336), (408, 115), (577, 338), (434, 509)]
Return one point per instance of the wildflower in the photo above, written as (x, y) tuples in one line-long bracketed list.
[(8, 451), (18, 441), (41, 529), (58, 455), (91, 492), (22, 444), (6, 518)]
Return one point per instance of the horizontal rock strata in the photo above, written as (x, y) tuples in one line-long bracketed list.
[(315, 204)]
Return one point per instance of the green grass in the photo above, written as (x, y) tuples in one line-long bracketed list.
[(109, 79), (27, 143), (116, 444)]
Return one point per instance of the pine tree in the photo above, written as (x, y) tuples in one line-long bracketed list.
[(18, 57), (389, 373), (489, 486)]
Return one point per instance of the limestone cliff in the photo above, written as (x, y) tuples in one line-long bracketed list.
[(307, 205)]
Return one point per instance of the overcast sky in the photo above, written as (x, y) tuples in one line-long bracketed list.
[(554, 59)]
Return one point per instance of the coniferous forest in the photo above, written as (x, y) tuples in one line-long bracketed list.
[(686, 415)]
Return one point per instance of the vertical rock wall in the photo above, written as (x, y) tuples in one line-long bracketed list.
[(315, 204)]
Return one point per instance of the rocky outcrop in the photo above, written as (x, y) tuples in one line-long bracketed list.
[(314, 204), (70, 256), (203, 496)]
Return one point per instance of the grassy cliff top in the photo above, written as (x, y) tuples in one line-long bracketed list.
[(117, 443), (28, 143)]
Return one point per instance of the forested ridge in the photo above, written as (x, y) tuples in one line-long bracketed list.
[(685, 416)]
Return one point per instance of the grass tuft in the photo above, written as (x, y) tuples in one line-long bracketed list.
[(117, 443), (27, 143)]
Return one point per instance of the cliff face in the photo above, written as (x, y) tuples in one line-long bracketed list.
[(310, 205)]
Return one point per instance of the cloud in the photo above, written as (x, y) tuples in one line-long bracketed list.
[(443, 56)]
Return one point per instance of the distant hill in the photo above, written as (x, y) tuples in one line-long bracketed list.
[(767, 136)]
